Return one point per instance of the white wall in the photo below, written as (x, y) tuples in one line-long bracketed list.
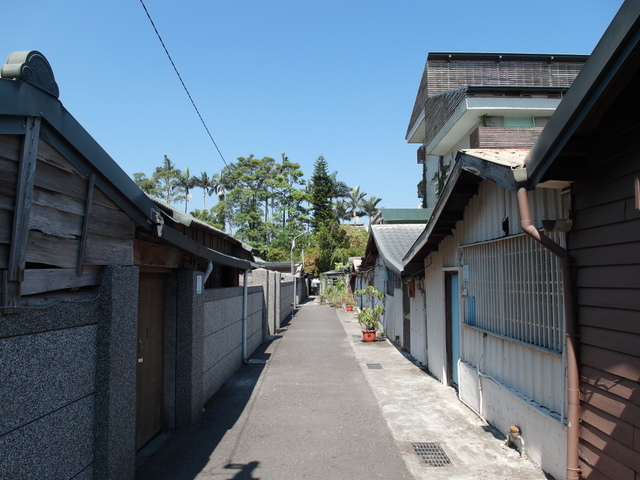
[(418, 326), (517, 384)]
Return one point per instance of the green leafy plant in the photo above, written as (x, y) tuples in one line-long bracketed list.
[(368, 317)]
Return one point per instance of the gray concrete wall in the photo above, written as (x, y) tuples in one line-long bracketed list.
[(222, 333), (67, 389), (286, 298)]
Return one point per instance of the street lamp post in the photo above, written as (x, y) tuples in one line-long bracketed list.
[(293, 272)]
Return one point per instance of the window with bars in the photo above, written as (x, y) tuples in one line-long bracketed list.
[(514, 289)]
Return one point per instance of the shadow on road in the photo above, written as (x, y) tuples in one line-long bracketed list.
[(186, 453)]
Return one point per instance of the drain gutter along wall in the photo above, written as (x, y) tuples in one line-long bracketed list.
[(571, 333)]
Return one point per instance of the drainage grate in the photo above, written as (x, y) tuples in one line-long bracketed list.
[(432, 454), (257, 360), (374, 366)]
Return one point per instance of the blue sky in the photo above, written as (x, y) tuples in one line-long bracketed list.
[(329, 77)]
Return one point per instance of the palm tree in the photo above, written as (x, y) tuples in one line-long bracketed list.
[(342, 210), (206, 184), (354, 203), (370, 207), (186, 182)]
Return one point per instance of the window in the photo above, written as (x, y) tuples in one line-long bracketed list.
[(515, 290)]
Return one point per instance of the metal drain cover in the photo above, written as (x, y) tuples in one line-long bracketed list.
[(374, 366), (432, 454), (257, 360)]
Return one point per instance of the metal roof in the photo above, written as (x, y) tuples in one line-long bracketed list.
[(391, 242), (470, 168)]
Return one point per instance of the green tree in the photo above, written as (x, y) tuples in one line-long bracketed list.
[(146, 184), (370, 207), (185, 182), (204, 182), (354, 203), (166, 178), (322, 189)]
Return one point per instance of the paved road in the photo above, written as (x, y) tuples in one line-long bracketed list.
[(308, 413)]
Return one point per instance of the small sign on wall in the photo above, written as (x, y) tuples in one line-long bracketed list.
[(199, 284)]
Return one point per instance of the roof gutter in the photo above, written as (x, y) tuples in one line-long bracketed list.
[(571, 333)]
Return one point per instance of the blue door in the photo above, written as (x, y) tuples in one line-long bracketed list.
[(454, 326)]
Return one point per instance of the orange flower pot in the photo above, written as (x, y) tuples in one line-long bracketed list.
[(369, 335)]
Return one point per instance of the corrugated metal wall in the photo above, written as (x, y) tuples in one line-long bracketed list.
[(533, 372), (418, 327)]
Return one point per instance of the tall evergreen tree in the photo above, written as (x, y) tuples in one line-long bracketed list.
[(322, 193)]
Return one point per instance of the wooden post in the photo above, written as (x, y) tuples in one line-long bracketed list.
[(85, 223), (21, 213)]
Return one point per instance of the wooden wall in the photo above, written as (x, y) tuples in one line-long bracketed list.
[(62, 250), (605, 243)]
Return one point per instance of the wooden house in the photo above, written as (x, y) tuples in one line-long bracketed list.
[(592, 142), (119, 316)]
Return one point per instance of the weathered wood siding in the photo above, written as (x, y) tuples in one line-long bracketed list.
[(605, 244), (56, 221)]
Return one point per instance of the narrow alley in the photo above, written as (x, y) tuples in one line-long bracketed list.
[(309, 406)]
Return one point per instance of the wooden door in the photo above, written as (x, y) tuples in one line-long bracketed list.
[(150, 357)]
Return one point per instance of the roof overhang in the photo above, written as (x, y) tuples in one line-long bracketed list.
[(469, 112), (65, 134), (470, 168), (613, 62)]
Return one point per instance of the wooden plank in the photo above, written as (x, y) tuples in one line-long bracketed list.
[(607, 214), (610, 297), (48, 280), (26, 176), (49, 155), (8, 177), (50, 250), (85, 223), (616, 450), (107, 222), (625, 366), (621, 320), (623, 232), (55, 222), (587, 195), (104, 250), (609, 276), (604, 463), (610, 339), (4, 255), (55, 180), (620, 387), (623, 254), (6, 224), (589, 473), (608, 424), (64, 203), (10, 147), (152, 254), (618, 407)]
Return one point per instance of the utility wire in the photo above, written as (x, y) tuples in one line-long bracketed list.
[(182, 81)]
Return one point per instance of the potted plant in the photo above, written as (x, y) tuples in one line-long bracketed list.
[(369, 317)]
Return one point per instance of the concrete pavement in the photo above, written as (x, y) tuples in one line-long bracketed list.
[(315, 410)]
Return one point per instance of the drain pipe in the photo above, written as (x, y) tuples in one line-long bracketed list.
[(245, 296), (571, 333)]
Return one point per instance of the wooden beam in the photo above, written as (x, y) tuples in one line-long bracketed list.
[(49, 279), (24, 194), (85, 223)]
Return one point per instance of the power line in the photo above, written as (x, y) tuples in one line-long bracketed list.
[(182, 81)]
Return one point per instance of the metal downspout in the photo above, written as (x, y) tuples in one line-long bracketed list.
[(571, 333), (245, 296)]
